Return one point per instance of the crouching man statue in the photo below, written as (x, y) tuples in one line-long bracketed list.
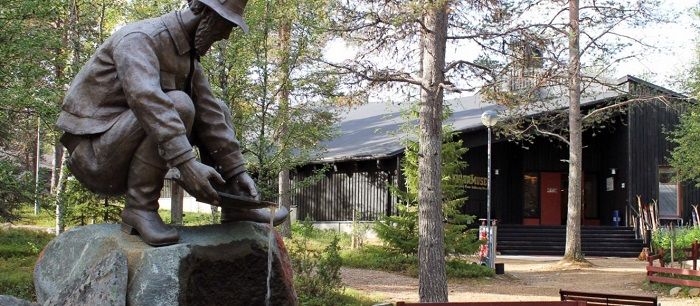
[(139, 105)]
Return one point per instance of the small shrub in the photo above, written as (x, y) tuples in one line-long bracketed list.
[(82, 206), (682, 237), (18, 253), (359, 231), (380, 258), (400, 232), (462, 269), (16, 188), (16, 277), (318, 238), (316, 272)]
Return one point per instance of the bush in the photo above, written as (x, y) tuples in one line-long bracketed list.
[(682, 238), (318, 238), (18, 254), (316, 272), (16, 277), (82, 206), (462, 269), (16, 188), (380, 258), (400, 232)]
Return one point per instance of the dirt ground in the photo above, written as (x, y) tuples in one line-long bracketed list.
[(527, 278)]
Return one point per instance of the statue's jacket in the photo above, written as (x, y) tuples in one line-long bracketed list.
[(132, 70)]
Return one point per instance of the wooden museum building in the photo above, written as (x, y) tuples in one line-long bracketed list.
[(624, 158)]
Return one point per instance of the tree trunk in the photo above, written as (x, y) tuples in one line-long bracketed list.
[(573, 250), (57, 165), (285, 199), (432, 278), (37, 167), (60, 226), (284, 188)]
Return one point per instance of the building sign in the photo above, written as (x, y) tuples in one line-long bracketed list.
[(476, 182)]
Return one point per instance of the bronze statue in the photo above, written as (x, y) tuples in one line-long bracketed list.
[(139, 105)]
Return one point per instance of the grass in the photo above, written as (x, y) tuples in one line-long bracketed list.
[(379, 258), (18, 254), (352, 297), (318, 238), (46, 218), (188, 218)]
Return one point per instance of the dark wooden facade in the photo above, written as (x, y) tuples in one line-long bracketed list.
[(620, 162), (351, 188)]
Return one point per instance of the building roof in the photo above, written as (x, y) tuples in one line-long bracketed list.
[(373, 130)]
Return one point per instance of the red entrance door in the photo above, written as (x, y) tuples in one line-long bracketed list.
[(550, 198)]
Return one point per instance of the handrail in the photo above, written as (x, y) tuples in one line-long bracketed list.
[(636, 213)]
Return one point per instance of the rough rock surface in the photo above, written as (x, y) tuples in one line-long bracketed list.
[(102, 284), (212, 265), (675, 291), (694, 292), (6, 300)]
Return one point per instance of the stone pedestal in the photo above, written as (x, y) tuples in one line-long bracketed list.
[(212, 265)]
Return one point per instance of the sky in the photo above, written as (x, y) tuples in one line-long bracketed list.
[(676, 42), (665, 64)]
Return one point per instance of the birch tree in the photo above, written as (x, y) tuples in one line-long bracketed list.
[(570, 52)]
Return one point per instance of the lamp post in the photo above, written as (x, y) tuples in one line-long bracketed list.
[(489, 118)]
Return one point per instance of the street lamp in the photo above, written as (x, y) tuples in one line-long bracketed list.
[(489, 118)]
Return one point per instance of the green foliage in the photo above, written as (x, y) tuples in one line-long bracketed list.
[(462, 269), (280, 99), (190, 218), (139, 10), (682, 238), (353, 297), (400, 232), (318, 238), (316, 272), (83, 206), (685, 157), (16, 188), (380, 258), (18, 253)]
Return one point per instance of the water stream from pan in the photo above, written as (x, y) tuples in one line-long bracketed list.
[(270, 238)]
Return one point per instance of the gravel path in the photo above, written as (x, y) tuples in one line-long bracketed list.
[(526, 279)]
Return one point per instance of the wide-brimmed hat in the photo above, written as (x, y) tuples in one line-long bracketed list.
[(231, 10)]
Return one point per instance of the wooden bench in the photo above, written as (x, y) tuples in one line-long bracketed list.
[(608, 299), (548, 303)]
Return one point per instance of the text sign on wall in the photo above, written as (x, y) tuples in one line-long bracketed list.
[(476, 182)]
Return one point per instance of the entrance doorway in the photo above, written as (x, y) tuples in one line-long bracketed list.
[(551, 198), (545, 198)]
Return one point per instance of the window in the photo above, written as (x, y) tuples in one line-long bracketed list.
[(531, 199), (668, 193)]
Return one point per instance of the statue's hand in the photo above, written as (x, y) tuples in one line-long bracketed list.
[(196, 178), (243, 185)]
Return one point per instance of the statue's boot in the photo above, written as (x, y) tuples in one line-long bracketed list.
[(145, 180), (260, 215)]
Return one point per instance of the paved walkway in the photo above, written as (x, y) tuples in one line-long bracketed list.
[(527, 278)]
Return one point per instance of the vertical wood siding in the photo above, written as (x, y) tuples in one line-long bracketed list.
[(340, 194), (649, 127)]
